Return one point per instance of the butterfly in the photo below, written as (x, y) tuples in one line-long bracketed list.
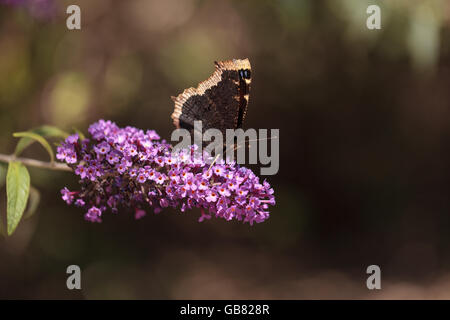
[(220, 102)]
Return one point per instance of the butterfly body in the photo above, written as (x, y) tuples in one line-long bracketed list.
[(220, 102)]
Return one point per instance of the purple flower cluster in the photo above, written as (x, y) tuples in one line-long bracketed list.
[(130, 168)]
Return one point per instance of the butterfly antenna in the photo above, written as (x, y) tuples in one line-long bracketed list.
[(215, 159), (263, 139), (238, 146)]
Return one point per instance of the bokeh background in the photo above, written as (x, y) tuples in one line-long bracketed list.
[(364, 146)]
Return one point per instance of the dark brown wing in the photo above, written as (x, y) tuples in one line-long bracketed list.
[(219, 102)]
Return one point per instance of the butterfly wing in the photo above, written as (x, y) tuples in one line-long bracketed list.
[(219, 102)]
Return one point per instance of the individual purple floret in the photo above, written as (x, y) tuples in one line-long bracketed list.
[(130, 168)]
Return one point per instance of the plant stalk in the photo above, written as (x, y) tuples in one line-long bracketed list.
[(36, 163)]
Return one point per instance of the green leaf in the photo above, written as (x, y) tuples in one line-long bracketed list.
[(39, 139), (33, 202), (17, 190), (44, 131)]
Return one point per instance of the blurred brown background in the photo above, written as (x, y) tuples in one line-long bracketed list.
[(364, 146)]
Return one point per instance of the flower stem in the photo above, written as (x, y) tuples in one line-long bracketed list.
[(36, 163)]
